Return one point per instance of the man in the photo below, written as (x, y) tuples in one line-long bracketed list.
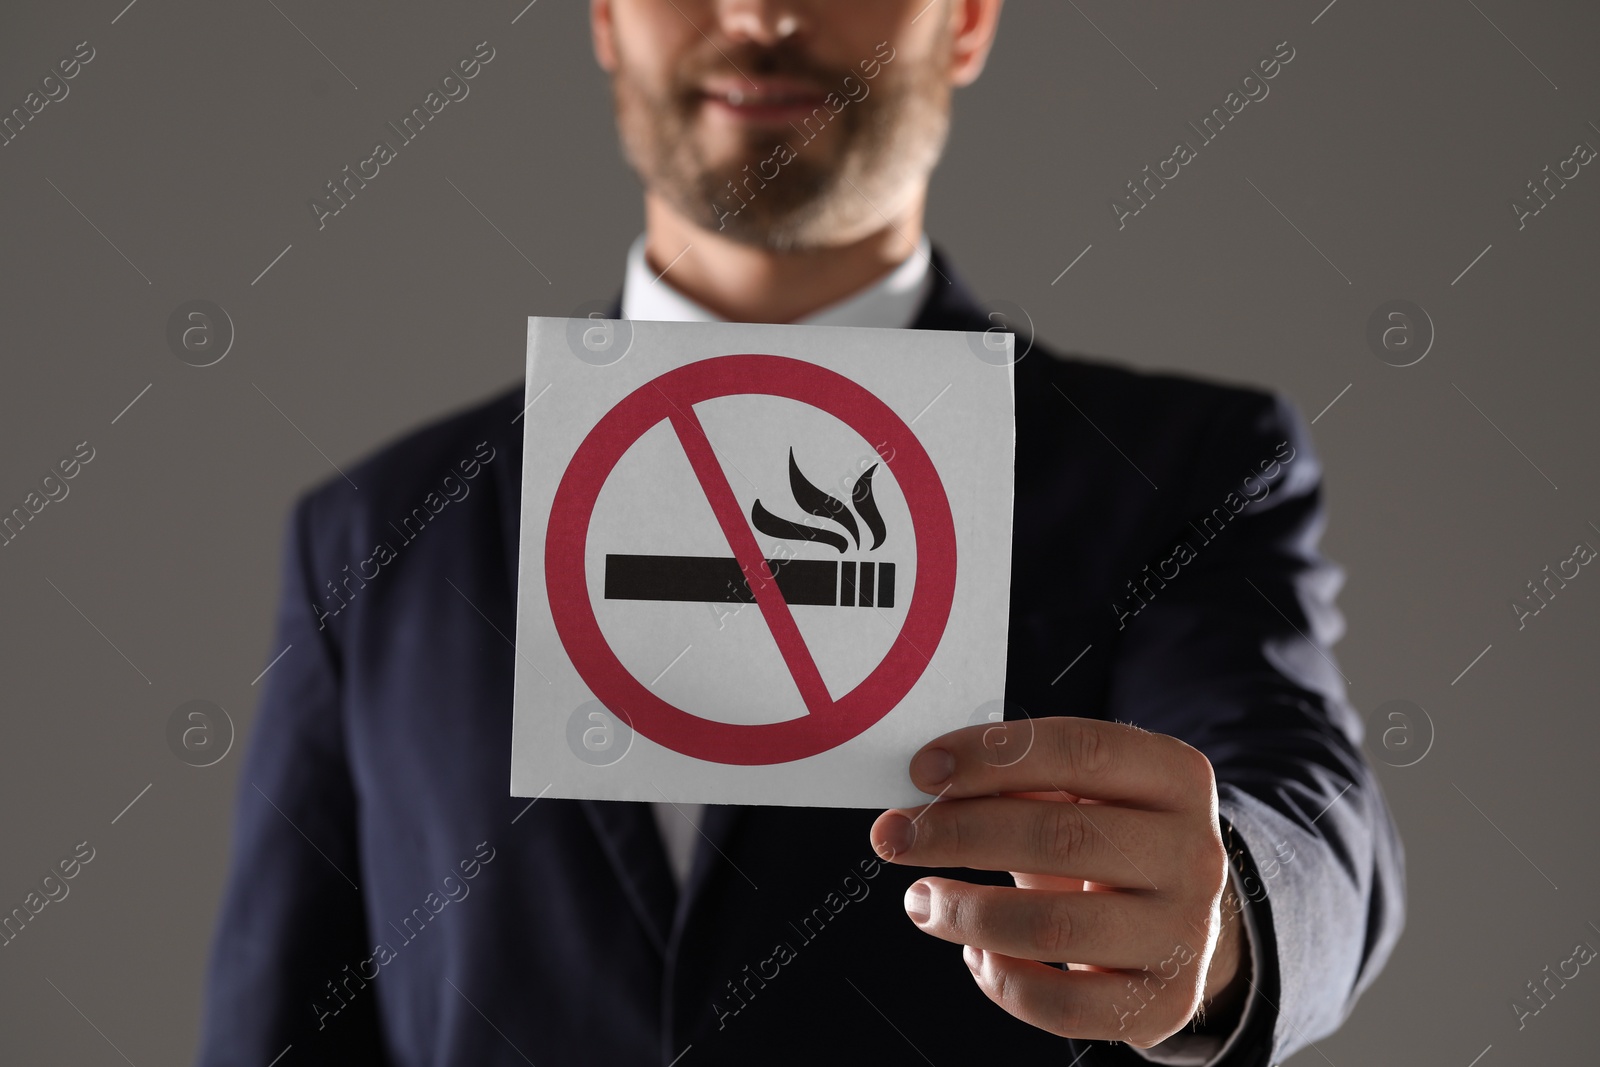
[(1189, 862)]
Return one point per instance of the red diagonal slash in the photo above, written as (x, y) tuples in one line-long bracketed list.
[(774, 609)]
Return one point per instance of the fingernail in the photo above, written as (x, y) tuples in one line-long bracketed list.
[(898, 835), (932, 766), (917, 906), (973, 956)]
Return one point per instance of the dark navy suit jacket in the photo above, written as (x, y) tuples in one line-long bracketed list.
[(389, 903)]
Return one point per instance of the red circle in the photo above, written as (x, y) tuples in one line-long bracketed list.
[(568, 588)]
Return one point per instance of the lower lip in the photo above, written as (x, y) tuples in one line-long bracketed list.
[(764, 113)]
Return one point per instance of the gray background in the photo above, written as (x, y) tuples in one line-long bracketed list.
[(1393, 143)]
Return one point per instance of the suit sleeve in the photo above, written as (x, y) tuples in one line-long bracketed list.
[(1231, 653), (292, 919)]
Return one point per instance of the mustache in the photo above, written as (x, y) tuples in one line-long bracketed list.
[(754, 61)]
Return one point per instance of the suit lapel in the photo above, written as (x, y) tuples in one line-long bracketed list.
[(950, 304), (632, 842), (508, 480)]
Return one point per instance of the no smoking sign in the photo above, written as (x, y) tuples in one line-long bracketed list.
[(758, 564)]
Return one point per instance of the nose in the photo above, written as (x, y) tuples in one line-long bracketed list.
[(762, 22)]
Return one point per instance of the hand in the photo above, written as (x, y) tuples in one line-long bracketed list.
[(1110, 834)]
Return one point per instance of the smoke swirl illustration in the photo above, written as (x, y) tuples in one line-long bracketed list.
[(816, 502)]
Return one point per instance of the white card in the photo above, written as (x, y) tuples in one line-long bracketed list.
[(759, 564)]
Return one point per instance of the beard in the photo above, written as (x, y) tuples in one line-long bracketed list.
[(869, 156)]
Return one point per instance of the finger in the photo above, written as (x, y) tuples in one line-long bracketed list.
[(1089, 1005), (1107, 761), (1118, 930), (1101, 843)]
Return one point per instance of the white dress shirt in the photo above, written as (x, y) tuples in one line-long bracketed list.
[(892, 302)]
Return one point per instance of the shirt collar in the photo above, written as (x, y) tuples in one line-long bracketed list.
[(891, 302)]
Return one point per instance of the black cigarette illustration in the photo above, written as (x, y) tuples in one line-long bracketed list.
[(820, 582), (718, 580)]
